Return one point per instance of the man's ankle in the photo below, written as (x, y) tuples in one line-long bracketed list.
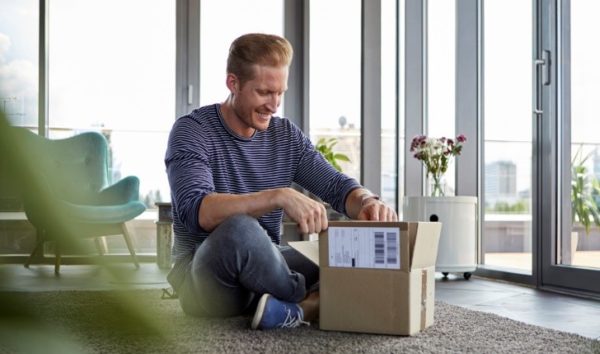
[(310, 306)]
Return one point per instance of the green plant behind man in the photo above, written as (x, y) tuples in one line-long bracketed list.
[(584, 208), (325, 147)]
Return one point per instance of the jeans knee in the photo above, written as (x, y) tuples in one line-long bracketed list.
[(240, 221), (242, 230)]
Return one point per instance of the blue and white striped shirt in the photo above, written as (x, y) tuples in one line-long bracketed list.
[(204, 156)]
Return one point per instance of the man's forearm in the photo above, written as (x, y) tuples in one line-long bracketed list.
[(217, 207)]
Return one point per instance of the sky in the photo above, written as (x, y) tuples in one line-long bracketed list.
[(18, 58)]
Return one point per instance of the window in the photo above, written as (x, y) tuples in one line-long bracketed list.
[(335, 81), (112, 70), (265, 16), (19, 101), (506, 227), (441, 81), (585, 143), (19, 61), (389, 108)]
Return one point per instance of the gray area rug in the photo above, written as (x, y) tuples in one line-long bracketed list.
[(140, 322)]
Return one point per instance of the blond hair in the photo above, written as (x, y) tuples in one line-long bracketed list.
[(257, 48)]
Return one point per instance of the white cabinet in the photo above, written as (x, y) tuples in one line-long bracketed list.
[(457, 250)]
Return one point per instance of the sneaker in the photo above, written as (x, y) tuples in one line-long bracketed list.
[(272, 313)]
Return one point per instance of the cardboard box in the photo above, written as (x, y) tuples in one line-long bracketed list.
[(375, 277)]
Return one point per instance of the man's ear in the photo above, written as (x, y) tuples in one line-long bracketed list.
[(233, 83)]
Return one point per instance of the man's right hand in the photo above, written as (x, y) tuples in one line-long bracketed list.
[(310, 214)]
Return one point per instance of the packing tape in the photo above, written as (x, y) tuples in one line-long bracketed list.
[(423, 299)]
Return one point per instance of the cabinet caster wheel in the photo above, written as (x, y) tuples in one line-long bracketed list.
[(467, 276), (445, 274)]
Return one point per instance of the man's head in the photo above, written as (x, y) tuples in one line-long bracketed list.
[(257, 73), (259, 49)]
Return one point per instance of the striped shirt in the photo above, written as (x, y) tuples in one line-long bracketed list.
[(204, 156)]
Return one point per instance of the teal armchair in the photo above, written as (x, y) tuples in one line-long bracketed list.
[(66, 194)]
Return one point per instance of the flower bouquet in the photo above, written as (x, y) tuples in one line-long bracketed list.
[(435, 154)]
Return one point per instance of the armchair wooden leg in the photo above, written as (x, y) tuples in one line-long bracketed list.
[(128, 240), (57, 256), (39, 247), (101, 245)]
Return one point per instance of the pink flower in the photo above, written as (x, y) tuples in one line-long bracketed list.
[(436, 152)]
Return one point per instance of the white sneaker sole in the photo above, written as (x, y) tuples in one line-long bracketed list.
[(260, 309)]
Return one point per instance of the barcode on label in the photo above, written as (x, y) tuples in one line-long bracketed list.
[(392, 247), (379, 248), (364, 247)]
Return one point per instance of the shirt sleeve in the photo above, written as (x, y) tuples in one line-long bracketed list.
[(316, 175), (188, 171)]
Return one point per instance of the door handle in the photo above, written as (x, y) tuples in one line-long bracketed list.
[(542, 65)]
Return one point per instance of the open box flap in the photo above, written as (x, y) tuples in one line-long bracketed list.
[(309, 249), (425, 244)]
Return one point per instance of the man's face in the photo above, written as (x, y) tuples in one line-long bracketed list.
[(258, 99)]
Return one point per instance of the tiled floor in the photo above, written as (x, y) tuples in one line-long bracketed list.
[(561, 312)]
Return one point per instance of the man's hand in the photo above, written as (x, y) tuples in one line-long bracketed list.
[(361, 204), (376, 210), (310, 214)]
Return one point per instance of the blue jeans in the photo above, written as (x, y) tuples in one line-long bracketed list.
[(238, 263)]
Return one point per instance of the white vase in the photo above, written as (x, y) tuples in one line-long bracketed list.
[(436, 185)]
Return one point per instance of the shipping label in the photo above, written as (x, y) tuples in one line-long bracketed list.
[(364, 247)]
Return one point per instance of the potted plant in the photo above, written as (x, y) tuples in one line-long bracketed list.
[(436, 154), (584, 208), (325, 147)]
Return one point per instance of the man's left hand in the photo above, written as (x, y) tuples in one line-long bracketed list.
[(376, 210)]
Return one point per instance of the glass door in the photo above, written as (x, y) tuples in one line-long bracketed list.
[(566, 79), (583, 242), (506, 239)]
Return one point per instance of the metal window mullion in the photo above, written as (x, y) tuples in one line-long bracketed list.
[(296, 31), (43, 69), (415, 87), (306, 68), (187, 56), (467, 100), (468, 104), (562, 73), (193, 53), (181, 9), (544, 234), (371, 95)]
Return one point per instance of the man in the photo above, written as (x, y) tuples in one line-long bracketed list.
[(230, 168)]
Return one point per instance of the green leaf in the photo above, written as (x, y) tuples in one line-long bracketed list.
[(341, 157), (584, 208), (325, 147)]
